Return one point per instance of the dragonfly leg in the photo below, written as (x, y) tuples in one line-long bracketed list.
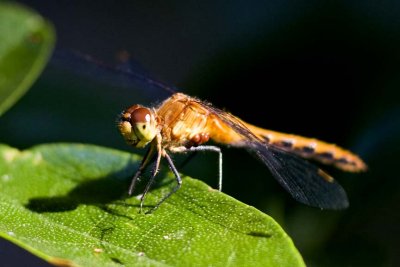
[(178, 180), (153, 172), (204, 148), (146, 159)]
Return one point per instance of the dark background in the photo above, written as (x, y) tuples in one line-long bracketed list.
[(325, 69)]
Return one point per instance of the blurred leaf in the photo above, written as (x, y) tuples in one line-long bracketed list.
[(65, 203), (26, 41)]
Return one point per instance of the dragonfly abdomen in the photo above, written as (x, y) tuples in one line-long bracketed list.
[(312, 148)]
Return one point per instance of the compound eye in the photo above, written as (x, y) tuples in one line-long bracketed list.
[(140, 115)]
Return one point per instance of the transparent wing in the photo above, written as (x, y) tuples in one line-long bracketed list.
[(128, 75), (306, 182)]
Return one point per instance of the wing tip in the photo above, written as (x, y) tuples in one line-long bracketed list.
[(334, 199)]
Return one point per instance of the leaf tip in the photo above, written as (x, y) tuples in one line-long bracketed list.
[(61, 262)]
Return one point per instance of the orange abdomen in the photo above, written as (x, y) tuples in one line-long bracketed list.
[(312, 148)]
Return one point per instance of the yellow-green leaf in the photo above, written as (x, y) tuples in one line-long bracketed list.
[(65, 203), (26, 42)]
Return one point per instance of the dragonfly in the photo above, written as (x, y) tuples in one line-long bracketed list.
[(183, 123)]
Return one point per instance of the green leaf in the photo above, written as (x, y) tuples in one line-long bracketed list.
[(26, 42), (66, 203)]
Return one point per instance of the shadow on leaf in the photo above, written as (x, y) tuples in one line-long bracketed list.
[(95, 192), (98, 192)]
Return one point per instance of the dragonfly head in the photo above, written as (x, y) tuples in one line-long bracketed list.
[(138, 125)]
